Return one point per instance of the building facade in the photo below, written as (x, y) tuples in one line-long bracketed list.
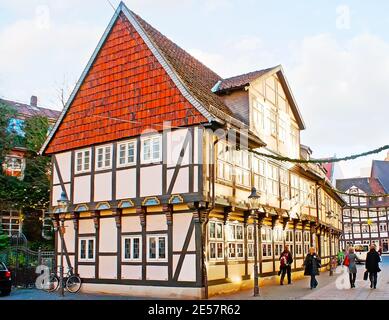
[(153, 153), (365, 219), (15, 162)]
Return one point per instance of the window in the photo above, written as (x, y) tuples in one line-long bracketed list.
[(151, 149), (258, 119), (132, 248), (250, 241), (282, 131), (273, 180), (83, 161), (294, 140), (307, 241), (242, 172), (126, 153), (284, 179), (383, 227), (294, 187), (259, 166), (266, 234), (87, 249), (356, 228), (216, 245), (273, 123), (103, 157), (235, 240), (299, 244), (157, 247), (224, 161)]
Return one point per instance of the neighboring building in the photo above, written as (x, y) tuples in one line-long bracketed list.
[(150, 214), (14, 163), (366, 220), (333, 171)]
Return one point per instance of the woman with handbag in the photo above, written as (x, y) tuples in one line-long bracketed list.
[(351, 263), (312, 265)]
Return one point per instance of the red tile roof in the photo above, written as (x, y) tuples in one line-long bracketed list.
[(240, 80), (26, 110)]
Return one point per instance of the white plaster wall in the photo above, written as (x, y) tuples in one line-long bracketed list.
[(188, 270), (126, 184), (181, 222), (156, 222), (69, 236), (151, 181), (108, 267), (195, 179), (132, 272), (86, 226), (108, 235), (103, 186), (82, 186), (131, 224), (175, 141), (157, 273), (57, 190), (267, 266), (181, 184), (65, 263), (86, 271), (64, 164)]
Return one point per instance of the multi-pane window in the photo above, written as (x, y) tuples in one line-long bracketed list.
[(273, 123), (258, 116), (289, 240), (383, 227), (304, 191), (284, 180), (356, 228), (282, 131), (126, 153), (259, 171), (235, 240), (157, 247), (250, 241), (224, 161), (312, 196), (242, 168), (273, 181), (266, 237), (132, 248), (103, 157), (87, 249), (216, 245), (83, 158), (294, 186), (307, 241), (299, 243), (278, 241), (151, 149)]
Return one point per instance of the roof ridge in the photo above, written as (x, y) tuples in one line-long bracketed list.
[(251, 73)]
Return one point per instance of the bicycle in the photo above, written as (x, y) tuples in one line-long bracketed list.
[(71, 282)]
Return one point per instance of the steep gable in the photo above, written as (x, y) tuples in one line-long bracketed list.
[(136, 79)]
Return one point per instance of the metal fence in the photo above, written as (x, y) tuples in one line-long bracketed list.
[(22, 262)]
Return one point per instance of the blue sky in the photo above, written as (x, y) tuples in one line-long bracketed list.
[(335, 55)]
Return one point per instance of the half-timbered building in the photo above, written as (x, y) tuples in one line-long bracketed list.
[(366, 215), (152, 151)]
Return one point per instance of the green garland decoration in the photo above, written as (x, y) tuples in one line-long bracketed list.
[(320, 161)]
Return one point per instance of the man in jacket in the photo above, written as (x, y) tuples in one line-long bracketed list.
[(286, 260), (372, 265)]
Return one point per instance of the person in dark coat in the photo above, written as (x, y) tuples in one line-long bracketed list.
[(286, 260), (312, 265), (372, 266)]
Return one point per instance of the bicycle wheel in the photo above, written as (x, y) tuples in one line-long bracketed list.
[(52, 284), (73, 284)]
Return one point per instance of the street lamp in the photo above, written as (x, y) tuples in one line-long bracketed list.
[(254, 198), (63, 203)]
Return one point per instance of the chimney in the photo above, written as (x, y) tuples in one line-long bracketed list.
[(34, 101)]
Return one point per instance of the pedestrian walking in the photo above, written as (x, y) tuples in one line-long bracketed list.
[(372, 266), (286, 260), (312, 264), (351, 263)]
